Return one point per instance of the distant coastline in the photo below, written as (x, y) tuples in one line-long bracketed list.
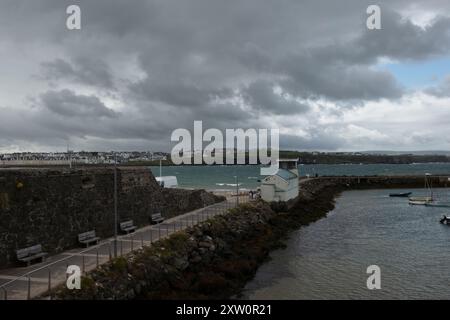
[(332, 158), (339, 158)]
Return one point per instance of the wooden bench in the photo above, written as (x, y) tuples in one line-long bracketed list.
[(127, 226), (87, 238), (156, 218), (31, 253)]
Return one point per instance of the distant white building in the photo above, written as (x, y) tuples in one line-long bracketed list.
[(283, 185)]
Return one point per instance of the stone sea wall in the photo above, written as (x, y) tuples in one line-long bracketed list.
[(215, 259), (52, 206), (186, 200)]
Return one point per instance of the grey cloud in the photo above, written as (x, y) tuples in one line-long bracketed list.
[(312, 78), (68, 104), (195, 56), (260, 95), (442, 90), (401, 39), (82, 70), (319, 140), (177, 93)]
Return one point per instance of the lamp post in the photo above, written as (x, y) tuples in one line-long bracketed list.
[(115, 205)]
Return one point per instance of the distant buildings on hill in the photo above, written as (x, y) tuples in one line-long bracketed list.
[(81, 157)]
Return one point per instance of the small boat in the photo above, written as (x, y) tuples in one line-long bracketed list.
[(404, 194), (440, 204), (445, 220), (424, 200), (420, 200)]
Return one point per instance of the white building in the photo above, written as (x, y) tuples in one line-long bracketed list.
[(167, 181), (283, 185)]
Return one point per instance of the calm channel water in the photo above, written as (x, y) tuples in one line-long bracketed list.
[(328, 259)]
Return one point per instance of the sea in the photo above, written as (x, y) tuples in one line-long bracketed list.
[(329, 259), (247, 176)]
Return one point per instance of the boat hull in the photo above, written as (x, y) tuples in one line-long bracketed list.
[(402, 195), (418, 203), (438, 204)]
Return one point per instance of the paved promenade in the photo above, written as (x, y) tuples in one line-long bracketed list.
[(29, 282)]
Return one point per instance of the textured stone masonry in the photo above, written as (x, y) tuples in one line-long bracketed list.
[(52, 206)]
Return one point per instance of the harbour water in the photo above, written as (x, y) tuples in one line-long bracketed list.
[(222, 177), (329, 258)]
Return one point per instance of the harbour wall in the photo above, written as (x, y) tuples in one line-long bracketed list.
[(215, 259), (52, 206)]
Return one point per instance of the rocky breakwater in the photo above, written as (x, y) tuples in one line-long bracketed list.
[(212, 260)]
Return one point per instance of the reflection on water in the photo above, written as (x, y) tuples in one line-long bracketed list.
[(328, 259)]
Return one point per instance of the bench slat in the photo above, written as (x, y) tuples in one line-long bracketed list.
[(127, 226), (157, 217), (88, 237), (30, 253)]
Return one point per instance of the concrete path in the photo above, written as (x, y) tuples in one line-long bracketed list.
[(28, 282)]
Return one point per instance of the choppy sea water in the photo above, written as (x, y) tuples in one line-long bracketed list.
[(328, 259), (223, 177)]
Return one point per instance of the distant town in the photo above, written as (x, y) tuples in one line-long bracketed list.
[(155, 158), (81, 157)]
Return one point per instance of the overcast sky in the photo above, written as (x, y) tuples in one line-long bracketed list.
[(139, 69)]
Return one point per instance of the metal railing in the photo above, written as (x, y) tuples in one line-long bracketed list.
[(92, 257)]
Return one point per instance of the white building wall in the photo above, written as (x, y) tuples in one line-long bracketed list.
[(274, 188), (268, 192)]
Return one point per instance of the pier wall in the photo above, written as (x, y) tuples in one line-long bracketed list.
[(371, 182), (52, 206), (215, 259)]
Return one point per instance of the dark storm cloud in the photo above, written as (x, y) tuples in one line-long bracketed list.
[(260, 95), (68, 104), (216, 61), (83, 70), (177, 93)]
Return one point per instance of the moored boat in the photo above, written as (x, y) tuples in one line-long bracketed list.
[(445, 220), (424, 200), (404, 194), (440, 204), (420, 200)]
